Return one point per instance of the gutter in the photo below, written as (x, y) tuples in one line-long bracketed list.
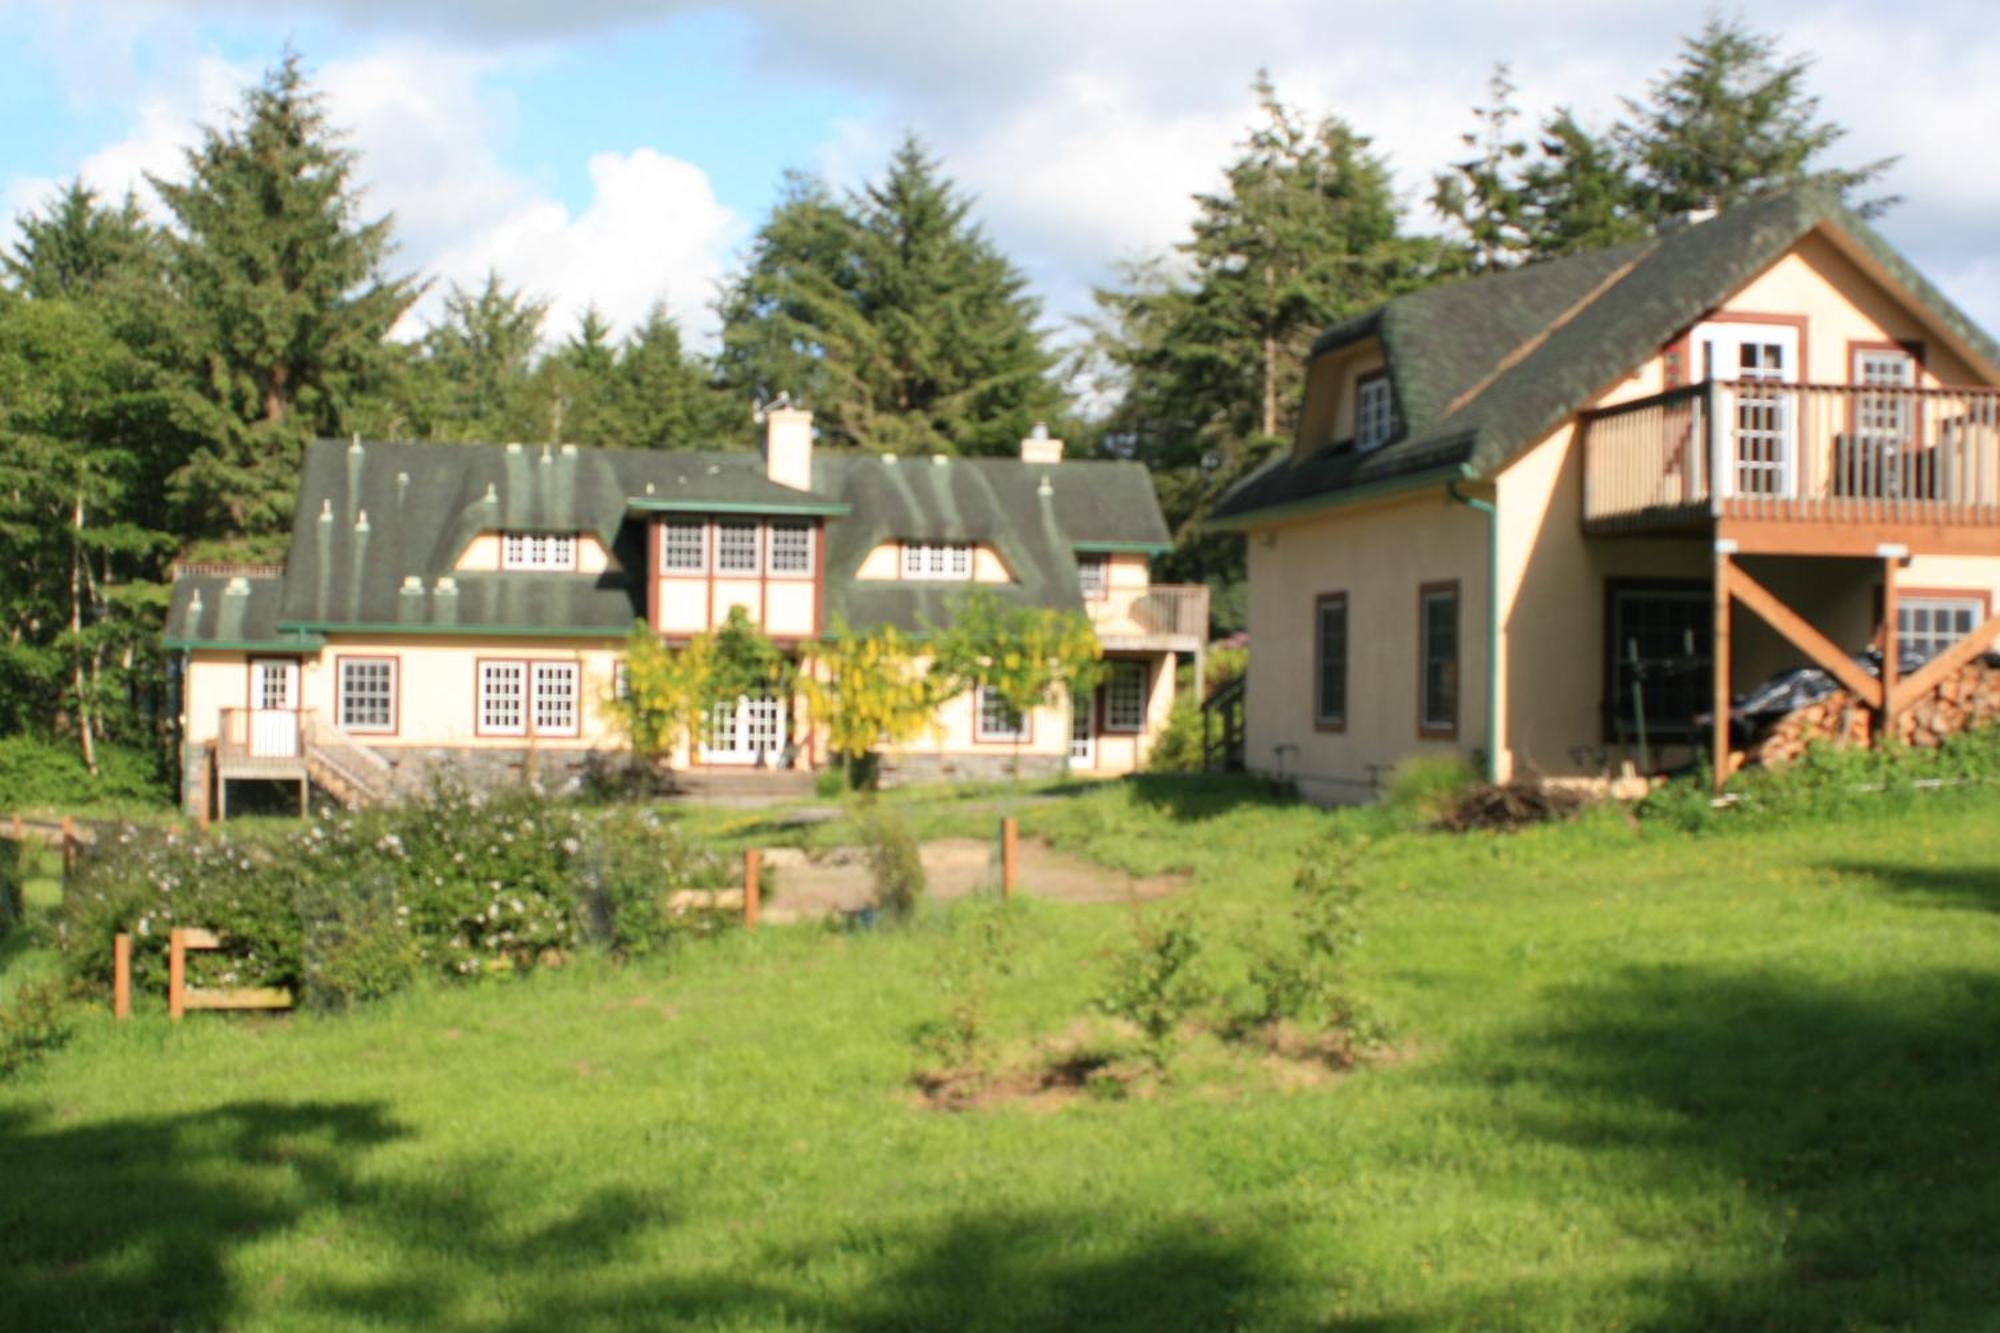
[(1335, 499), (1492, 514)]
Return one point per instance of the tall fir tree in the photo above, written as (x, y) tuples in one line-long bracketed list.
[(578, 386), (892, 315), (1209, 367), (474, 375), (284, 303), (668, 398)]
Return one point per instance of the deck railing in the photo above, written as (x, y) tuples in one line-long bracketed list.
[(261, 733), (1173, 608), (1839, 453)]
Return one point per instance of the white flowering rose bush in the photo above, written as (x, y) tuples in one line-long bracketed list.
[(459, 883)]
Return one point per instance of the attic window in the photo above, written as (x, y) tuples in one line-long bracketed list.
[(1091, 571), (937, 560), (537, 550), (1374, 412)]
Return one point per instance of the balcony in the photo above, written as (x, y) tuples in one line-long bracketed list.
[(1165, 616), (1804, 469)]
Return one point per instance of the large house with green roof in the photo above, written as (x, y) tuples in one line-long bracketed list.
[(1555, 519), (468, 606)]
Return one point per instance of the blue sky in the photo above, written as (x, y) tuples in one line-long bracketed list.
[(619, 152)]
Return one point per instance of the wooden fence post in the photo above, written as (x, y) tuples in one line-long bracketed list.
[(752, 863), (1010, 855), (17, 828), (176, 973), (68, 848), (121, 976)]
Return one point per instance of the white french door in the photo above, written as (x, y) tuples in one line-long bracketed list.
[(747, 731), (1083, 730), (274, 708), (1762, 422)]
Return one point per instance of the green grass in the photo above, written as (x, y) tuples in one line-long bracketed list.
[(1742, 1081)]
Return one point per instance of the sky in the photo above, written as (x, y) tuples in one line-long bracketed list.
[(618, 153)]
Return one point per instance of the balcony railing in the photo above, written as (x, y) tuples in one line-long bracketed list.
[(1831, 453), (1177, 610)]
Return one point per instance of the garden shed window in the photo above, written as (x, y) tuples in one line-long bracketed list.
[(368, 694), (1125, 696)]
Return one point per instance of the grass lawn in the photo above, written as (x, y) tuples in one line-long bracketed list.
[(1646, 1080)]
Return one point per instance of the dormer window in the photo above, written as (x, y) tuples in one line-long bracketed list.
[(1091, 571), (538, 550), (937, 560), (1374, 411)]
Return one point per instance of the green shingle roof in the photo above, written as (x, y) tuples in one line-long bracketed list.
[(223, 611), (379, 528), (1464, 405)]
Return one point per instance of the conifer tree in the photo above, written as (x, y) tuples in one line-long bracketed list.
[(474, 373), (667, 398), (283, 302)]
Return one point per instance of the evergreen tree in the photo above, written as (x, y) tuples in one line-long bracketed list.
[(284, 304), (578, 386), (474, 374), (1210, 368), (79, 249), (666, 397), (891, 315)]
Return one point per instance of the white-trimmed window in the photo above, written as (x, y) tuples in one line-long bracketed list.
[(1926, 626), (1125, 695), (999, 720), (556, 699), (1437, 697), (937, 560), (1888, 418), (791, 547), (1374, 411), (503, 698), (1330, 660), (368, 694), (538, 550), (736, 546), (1093, 574), (683, 546)]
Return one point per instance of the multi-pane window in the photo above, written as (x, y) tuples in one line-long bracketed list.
[(1374, 412), (684, 545), (736, 546), (1330, 660), (937, 560), (1884, 418), (999, 720), (1092, 575), (519, 698), (367, 694), (555, 685), (1661, 651), (1438, 647), (538, 550), (503, 698), (621, 680), (1926, 626), (1125, 696), (791, 547)]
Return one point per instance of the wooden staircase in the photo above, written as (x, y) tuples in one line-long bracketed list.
[(352, 774)]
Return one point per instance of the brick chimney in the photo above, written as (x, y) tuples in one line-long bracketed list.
[(788, 445), (1039, 448)]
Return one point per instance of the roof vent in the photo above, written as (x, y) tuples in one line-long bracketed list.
[(446, 585), (548, 455), (326, 511), (492, 496), (713, 469), (412, 584), (569, 449), (513, 446), (402, 486), (889, 459), (361, 521), (940, 460), (355, 447), (194, 603), (649, 488), (1046, 488), (238, 587), (1039, 448)]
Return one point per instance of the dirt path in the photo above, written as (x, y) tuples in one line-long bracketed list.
[(838, 880)]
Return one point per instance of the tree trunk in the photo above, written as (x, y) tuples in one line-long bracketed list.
[(77, 680), (1270, 385)]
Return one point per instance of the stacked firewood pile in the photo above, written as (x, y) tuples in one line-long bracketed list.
[(1969, 698)]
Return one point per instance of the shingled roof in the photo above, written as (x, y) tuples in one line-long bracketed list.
[(1483, 369), (380, 527)]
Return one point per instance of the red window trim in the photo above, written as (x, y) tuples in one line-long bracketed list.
[(340, 661), (1427, 730)]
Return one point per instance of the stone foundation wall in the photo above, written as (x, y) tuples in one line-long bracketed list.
[(194, 779), (907, 770), (558, 772)]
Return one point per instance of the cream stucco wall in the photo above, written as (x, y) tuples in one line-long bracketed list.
[(1379, 555), (1127, 577), (483, 554), (885, 562)]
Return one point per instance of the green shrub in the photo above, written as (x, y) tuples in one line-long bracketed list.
[(977, 953), (1157, 984), (35, 773), (894, 860), (1303, 977), (1425, 787), (36, 1017), (829, 783), (1178, 748), (629, 867)]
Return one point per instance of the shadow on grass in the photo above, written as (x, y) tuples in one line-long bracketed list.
[(260, 1214), (1970, 887), (1206, 795), (1828, 1150)]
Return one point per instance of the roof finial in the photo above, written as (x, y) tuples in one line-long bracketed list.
[(361, 521), (326, 511)]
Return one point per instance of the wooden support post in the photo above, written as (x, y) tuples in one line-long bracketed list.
[(752, 864), (1890, 666), (176, 973), (1724, 598), (1010, 855), (68, 848), (121, 976)]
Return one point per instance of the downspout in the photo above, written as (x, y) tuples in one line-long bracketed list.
[(1486, 507)]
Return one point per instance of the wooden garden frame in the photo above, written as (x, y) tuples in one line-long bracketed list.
[(182, 997)]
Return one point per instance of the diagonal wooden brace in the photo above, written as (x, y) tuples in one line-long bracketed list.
[(1824, 652), (1932, 673)]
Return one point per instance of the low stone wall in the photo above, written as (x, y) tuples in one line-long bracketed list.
[(907, 770), (558, 772)]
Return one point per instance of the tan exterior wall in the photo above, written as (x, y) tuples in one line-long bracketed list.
[(1127, 578), (1328, 412), (1379, 555)]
